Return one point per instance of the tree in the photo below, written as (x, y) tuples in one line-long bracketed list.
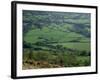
[(27, 45), (83, 53)]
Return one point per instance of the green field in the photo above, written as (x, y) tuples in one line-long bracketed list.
[(50, 35), (76, 46), (56, 39)]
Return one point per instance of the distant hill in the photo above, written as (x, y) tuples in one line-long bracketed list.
[(56, 26)]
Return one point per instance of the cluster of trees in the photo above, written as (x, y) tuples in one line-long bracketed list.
[(67, 59)]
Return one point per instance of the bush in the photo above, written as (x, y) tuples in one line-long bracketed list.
[(70, 60), (84, 53)]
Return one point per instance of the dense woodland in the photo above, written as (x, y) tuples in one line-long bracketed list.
[(56, 39)]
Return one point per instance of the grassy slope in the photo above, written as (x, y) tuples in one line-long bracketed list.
[(59, 36)]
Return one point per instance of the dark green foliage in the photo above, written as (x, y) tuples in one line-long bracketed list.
[(84, 53), (61, 59), (27, 45)]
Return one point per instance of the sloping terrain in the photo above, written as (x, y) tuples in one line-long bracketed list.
[(57, 32)]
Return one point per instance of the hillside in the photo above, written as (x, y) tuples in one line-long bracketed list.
[(56, 32), (44, 26)]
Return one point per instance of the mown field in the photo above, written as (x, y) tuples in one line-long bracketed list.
[(55, 39)]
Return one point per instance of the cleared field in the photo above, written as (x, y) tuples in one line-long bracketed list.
[(53, 35), (76, 46)]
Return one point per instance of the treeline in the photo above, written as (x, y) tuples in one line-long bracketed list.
[(54, 48)]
